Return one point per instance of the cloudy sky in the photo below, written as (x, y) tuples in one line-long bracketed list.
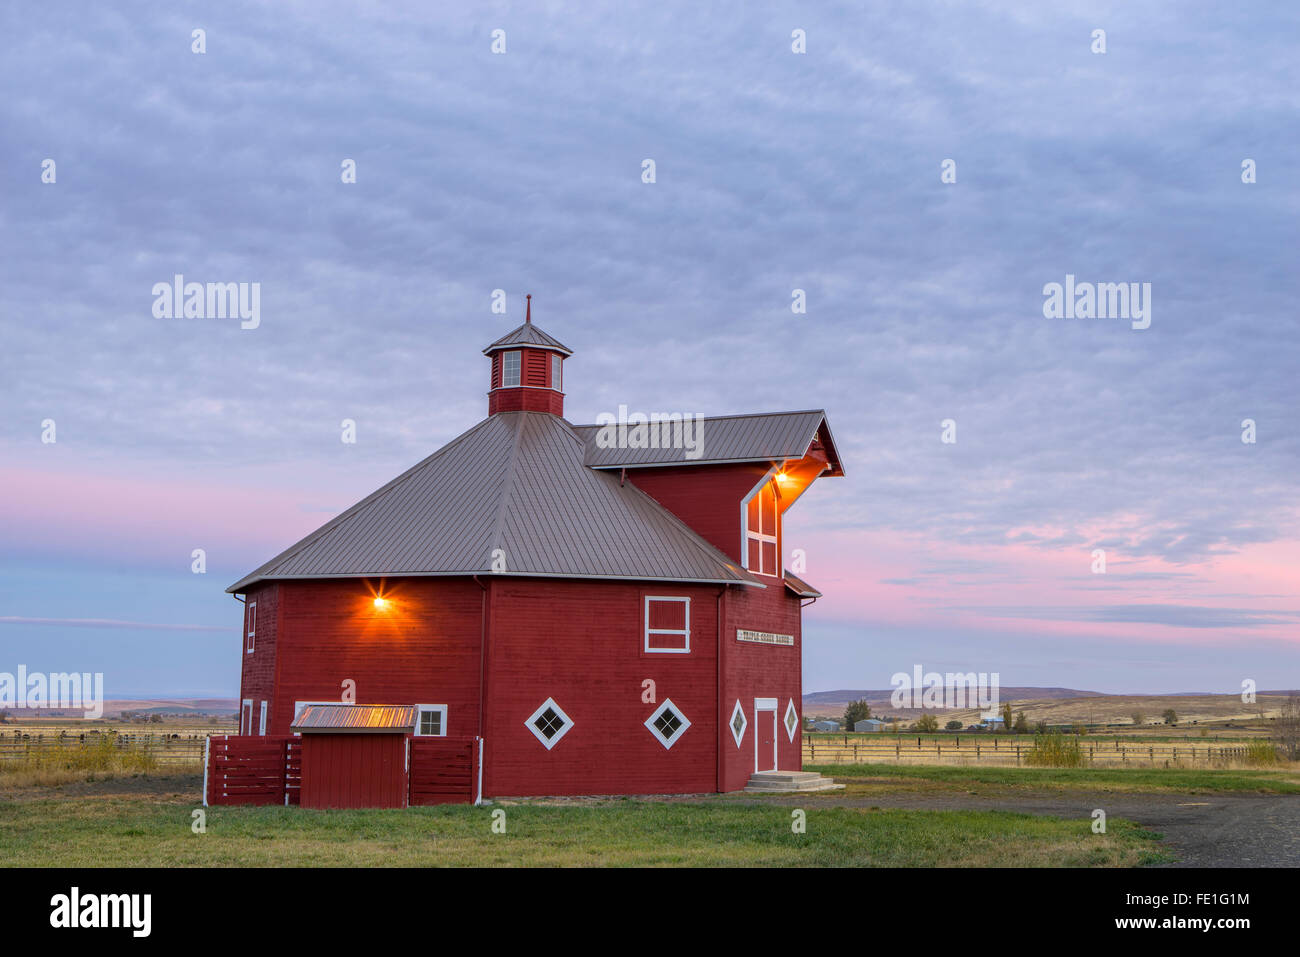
[(774, 171)]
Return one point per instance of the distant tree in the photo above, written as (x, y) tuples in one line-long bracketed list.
[(953, 725), (1138, 717), (927, 724), (1079, 729), (855, 712), (155, 719), (1007, 720), (4, 717), (1040, 727), (1022, 723), (1171, 716), (1286, 732)]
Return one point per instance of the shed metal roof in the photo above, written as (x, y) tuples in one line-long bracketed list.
[(355, 718), (515, 482), (764, 436), (528, 335)]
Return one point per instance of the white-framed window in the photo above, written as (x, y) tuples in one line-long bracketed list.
[(252, 626), (738, 723), (667, 624), (431, 720), (549, 723), (261, 722), (667, 723), (510, 369), (556, 381), (762, 543), (791, 720), (246, 716)]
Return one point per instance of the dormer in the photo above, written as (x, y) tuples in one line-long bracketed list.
[(527, 370)]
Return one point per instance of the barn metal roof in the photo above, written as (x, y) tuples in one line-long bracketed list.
[(355, 717), (800, 587), (765, 436), (515, 482), (528, 335)]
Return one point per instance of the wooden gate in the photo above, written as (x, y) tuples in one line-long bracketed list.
[(446, 770), (252, 769)]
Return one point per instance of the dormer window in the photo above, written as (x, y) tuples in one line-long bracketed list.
[(510, 369), (762, 547), (555, 372)]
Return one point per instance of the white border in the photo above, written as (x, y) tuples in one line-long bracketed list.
[(789, 710), (246, 703), (564, 728), (420, 709), (650, 723), (518, 354), (744, 723), (250, 638), (557, 386), (767, 704), (759, 536), (261, 721), (645, 644)]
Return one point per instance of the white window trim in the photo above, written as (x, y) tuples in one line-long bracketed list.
[(744, 723), (686, 633), (557, 372), (767, 704), (565, 728), (261, 721), (650, 723), (246, 726), (505, 370), (791, 727), (420, 709), (250, 638), (746, 534)]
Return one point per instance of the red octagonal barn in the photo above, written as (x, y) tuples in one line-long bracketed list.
[(569, 609)]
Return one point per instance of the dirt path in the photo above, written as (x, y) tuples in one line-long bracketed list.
[(1203, 830)]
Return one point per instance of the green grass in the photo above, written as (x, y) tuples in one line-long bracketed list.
[(138, 832), (895, 777)]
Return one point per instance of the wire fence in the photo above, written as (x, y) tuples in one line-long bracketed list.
[(170, 748), (991, 751)]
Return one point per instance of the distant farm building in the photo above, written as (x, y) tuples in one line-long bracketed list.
[(537, 608), (826, 726), (869, 724)]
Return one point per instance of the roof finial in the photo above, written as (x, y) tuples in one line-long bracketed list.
[(528, 315)]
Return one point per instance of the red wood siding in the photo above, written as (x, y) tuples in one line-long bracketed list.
[(705, 497), (354, 770), (422, 649), (257, 674), (751, 671), (580, 643)]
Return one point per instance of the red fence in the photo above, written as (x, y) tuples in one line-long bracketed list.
[(267, 769), (252, 769), (444, 770)]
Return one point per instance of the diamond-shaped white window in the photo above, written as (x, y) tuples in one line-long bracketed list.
[(667, 723), (738, 723), (549, 723), (791, 719)]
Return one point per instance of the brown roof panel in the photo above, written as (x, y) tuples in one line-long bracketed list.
[(800, 587)]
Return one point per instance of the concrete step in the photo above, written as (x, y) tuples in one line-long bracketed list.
[(788, 782)]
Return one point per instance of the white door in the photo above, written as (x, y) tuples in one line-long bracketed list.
[(764, 734)]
